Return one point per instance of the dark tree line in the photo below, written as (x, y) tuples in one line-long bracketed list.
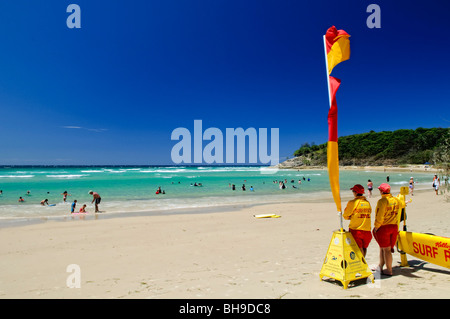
[(405, 146)]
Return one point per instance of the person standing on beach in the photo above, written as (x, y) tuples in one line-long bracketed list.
[(370, 187), (436, 183), (358, 211), (96, 198), (411, 186), (385, 230)]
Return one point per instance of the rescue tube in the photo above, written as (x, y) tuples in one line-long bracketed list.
[(431, 248)]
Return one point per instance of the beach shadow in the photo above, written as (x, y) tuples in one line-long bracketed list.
[(381, 276), (419, 265), (333, 282), (352, 284)]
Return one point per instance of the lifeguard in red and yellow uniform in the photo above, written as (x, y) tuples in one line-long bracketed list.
[(358, 211), (385, 229)]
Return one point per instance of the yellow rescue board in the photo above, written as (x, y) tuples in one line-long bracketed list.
[(267, 216), (431, 248)]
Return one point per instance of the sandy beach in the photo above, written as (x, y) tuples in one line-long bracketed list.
[(226, 255)]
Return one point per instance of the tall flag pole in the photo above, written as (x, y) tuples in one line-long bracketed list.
[(337, 49), (342, 245)]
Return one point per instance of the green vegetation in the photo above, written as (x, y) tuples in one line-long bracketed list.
[(441, 156), (384, 148)]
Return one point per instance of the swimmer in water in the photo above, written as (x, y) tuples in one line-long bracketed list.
[(65, 194)]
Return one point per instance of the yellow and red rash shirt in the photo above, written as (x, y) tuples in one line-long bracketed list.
[(387, 210), (358, 211)]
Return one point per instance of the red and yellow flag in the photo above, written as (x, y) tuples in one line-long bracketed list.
[(337, 49), (332, 145)]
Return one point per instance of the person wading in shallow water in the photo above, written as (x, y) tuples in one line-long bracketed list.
[(96, 198)]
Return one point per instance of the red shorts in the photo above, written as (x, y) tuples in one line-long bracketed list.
[(386, 236), (362, 237)]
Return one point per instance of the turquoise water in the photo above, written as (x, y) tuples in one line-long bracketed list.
[(132, 189)]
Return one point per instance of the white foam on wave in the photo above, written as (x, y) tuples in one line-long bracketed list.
[(16, 176), (163, 171), (67, 176), (170, 171), (115, 171), (399, 183), (217, 170)]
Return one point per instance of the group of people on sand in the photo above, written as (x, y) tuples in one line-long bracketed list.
[(436, 185), (358, 211)]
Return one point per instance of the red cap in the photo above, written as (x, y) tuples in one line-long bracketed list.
[(359, 189), (385, 188)]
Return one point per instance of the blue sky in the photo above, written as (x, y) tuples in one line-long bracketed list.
[(113, 91)]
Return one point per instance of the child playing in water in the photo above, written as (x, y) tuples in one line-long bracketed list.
[(65, 194), (74, 204)]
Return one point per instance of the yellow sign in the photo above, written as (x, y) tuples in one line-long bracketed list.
[(434, 249), (344, 261)]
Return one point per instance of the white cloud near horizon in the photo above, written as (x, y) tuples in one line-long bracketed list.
[(85, 128)]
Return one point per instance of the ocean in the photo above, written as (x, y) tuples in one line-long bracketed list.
[(128, 190)]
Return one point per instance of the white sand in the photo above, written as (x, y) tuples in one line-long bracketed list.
[(214, 255)]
